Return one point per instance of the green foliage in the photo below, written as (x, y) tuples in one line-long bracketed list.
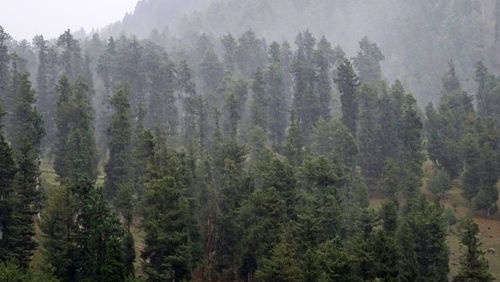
[(473, 264), (294, 148), (481, 165), (82, 238), (333, 139), (7, 173), (75, 154), (423, 239), (263, 217), (439, 182), (347, 83), (24, 200), (167, 253), (283, 264), (119, 166), (10, 272)]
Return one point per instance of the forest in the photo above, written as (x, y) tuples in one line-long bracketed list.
[(220, 156)]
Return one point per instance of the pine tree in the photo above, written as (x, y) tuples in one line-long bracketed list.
[(236, 96), (347, 82), (106, 67), (4, 64), (187, 88), (439, 183), (324, 80), (294, 150), (283, 265), (367, 62), (487, 94), (58, 244), (446, 128), (45, 87), (75, 155), (24, 201), (120, 175), (167, 253), (7, 173), (162, 111), (71, 57), (306, 102), (334, 140), (118, 169), (277, 103), (427, 240), (473, 264), (411, 138), (230, 178), (370, 131), (99, 239), (262, 217), (259, 100)]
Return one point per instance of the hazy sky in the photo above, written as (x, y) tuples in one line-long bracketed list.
[(23, 19)]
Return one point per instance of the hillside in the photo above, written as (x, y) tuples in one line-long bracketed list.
[(416, 37)]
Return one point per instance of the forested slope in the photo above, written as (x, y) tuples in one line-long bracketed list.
[(237, 156)]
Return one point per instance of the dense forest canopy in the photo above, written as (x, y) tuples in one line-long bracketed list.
[(255, 140)]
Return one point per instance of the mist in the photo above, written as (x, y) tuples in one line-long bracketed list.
[(255, 140)]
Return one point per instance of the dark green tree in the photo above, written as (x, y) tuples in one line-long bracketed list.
[(277, 103), (7, 173), (118, 169), (75, 154), (24, 201), (283, 264), (473, 264), (167, 253), (438, 183), (347, 82)]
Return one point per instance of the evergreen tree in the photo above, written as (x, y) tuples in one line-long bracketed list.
[(7, 173), (71, 57), (24, 201), (426, 245), (446, 128), (236, 97), (118, 168), (294, 150), (347, 83), (283, 265), (120, 175), (473, 264), (167, 253), (487, 94), (187, 88), (4, 64), (230, 178), (99, 239), (45, 86), (277, 104), (370, 131), (323, 58), (439, 183), (367, 62), (262, 217), (76, 154), (305, 103), (259, 100), (411, 138), (59, 231)]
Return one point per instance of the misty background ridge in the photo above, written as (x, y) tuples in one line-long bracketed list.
[(416, 37)]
